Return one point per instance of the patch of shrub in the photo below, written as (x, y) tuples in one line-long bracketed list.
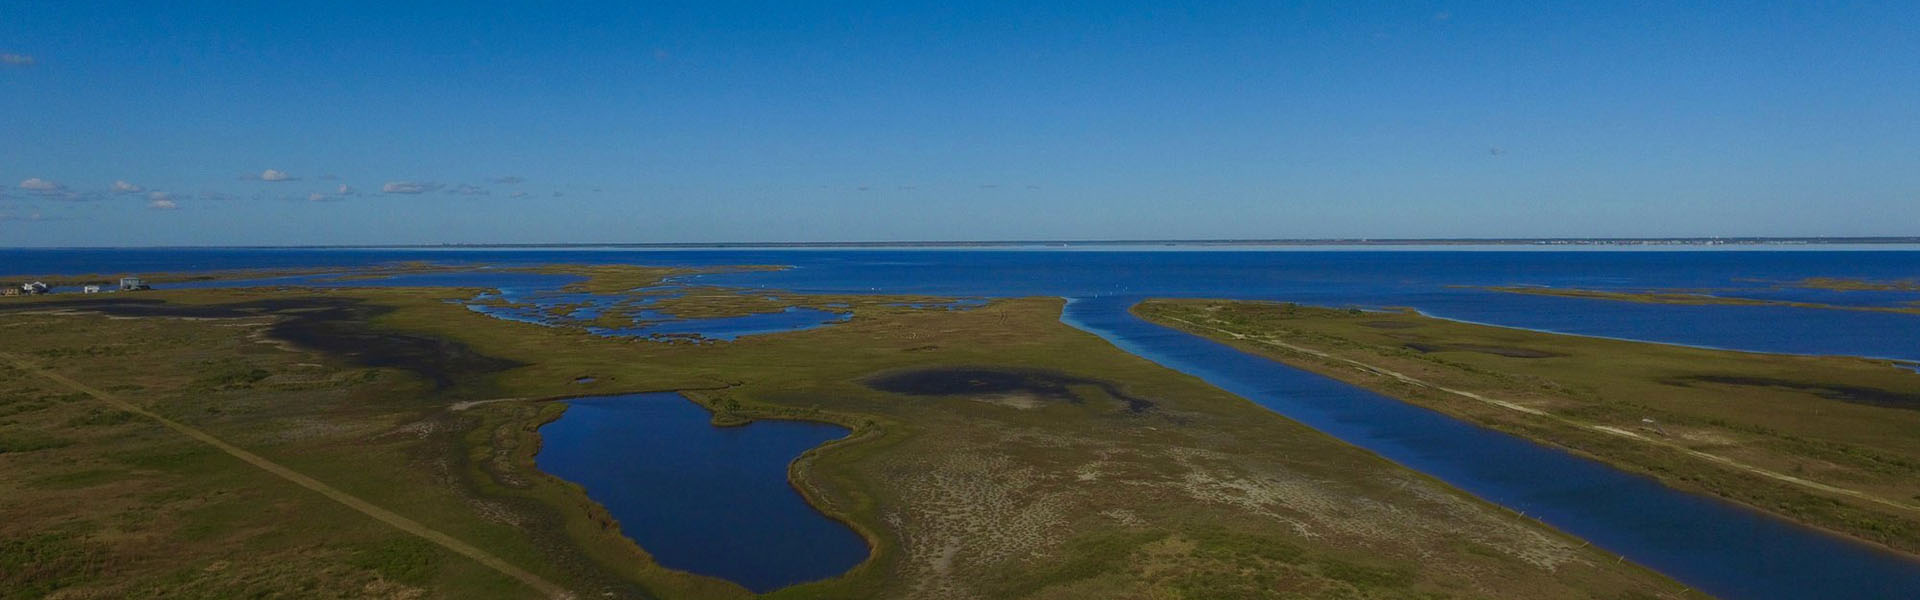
[(406, 560), (38, 565)]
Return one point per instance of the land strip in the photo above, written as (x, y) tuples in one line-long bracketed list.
[(1833, 442), (1666, 297)]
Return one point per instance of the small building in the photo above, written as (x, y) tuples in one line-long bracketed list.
[(90, 289), (129, 284), (33, 288)]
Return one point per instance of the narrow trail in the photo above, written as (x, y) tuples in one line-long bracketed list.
[(539, 584), (1614, 431)]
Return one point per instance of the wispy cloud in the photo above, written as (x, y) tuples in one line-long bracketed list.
[(276, 175), (33, 216), (122, 187), (36, 184), (468, 190), (409, 187), (508, 180), (44, 188), (16, 60), (346, 190), (161, 201)]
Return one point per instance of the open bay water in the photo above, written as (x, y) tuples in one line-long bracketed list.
[(1442, 283), (1726, 549), (705, 499)]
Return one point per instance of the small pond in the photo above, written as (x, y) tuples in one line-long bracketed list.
[(704, 499)]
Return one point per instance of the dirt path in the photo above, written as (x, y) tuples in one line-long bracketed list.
[(546, 588), (1722, 460)]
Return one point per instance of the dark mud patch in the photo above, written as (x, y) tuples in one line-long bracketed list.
[(1507, 351), (336, 326), (1844, 393), (981, 381)]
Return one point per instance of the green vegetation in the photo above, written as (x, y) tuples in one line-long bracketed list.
[(1841, 284), (430, 410), (1828, 441), (1671, 297)]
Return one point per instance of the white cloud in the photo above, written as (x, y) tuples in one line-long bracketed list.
[(274, 175), (122, 187), (408, 187), (468, 190), (40, 185), (20, 60), (161, 201), (508, 180), (345, 190)]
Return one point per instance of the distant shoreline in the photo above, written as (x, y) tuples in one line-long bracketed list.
[(1222, 243)]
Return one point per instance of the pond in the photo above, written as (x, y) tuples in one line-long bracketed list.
[(703, 499)]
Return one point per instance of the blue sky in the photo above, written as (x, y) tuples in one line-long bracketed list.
[(366, 123)]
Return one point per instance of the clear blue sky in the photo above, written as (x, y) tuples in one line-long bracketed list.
[(777, 121)]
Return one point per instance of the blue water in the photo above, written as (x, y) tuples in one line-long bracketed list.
[(709, 500), (1718, 547), (1723, 548), (793, 318)]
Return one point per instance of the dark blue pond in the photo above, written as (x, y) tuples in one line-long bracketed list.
[(709, 500), (1718, 547)]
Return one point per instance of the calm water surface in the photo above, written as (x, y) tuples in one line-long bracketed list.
[(705, 499), (1721, 548)]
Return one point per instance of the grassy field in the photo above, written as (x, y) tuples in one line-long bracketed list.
[(1088, 473), (1828, 441)]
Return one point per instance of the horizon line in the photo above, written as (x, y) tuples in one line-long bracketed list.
[(1351, 241)]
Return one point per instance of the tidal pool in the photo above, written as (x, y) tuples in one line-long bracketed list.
[(703, 499)]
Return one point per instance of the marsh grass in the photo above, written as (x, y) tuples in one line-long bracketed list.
[(1205, 495), (1848, 422)]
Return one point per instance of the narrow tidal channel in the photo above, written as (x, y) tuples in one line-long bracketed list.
[(1719, 547)]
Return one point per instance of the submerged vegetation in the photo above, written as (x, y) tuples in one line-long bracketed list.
[(1022, 458)]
